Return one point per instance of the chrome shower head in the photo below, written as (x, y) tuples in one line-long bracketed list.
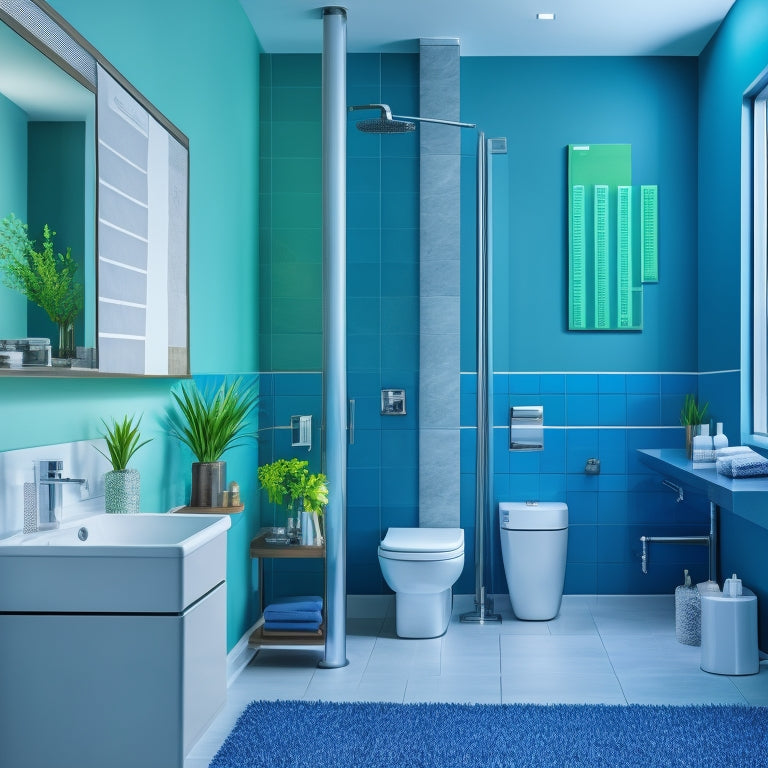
[(385, 123)]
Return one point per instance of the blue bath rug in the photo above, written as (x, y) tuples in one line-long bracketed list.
[(299, 734)]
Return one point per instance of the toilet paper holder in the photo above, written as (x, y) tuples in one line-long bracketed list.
[(526, 428)]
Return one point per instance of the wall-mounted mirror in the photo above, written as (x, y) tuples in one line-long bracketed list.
[(82, 152)]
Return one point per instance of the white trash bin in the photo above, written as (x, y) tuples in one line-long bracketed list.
[(729, 634)]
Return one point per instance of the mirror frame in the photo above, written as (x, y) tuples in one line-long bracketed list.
[(66, 48)]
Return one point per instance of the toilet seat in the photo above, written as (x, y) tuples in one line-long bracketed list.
[(425, 544)]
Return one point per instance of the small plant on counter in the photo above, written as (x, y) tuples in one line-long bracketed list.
[(122, 438), (691, 414), (122, 486)]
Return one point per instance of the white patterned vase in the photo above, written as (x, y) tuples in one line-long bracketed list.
[(122, 491)]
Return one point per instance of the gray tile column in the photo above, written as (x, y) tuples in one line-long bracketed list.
[(439, 362)]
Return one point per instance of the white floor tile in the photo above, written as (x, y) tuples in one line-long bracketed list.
[(754, 688), (554, 653), (561, 688), (472, 689), (666, 687)]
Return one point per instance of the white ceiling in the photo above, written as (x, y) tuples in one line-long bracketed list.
[(498, 27)]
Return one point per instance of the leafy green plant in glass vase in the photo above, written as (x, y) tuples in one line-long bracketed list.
[(692, 417), (122, 486), (289, 482), (209, 424), (46, 278)]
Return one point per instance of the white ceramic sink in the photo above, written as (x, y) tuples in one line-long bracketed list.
[(146, 563)]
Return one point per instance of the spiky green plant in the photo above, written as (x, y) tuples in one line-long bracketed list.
[(122, 438), (690, 413), (210, 424)]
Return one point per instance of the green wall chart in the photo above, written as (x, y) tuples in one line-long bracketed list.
[(612, 239)]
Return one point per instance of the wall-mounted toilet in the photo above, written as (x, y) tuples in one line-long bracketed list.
[(421, 565), (534, 544)]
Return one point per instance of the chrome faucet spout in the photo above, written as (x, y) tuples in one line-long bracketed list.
[(50, 507)]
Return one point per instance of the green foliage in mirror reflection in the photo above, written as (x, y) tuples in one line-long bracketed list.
[(46, 278)]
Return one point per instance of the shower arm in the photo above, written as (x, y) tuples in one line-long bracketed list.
[(435, 120), (386, 114)]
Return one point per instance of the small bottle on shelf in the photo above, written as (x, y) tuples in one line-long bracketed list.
[(703, 452), (719, 440)]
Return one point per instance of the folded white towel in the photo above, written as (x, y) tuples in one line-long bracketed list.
[(733, 450)]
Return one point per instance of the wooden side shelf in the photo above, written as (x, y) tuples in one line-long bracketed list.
[(211, 510), (262, 549)]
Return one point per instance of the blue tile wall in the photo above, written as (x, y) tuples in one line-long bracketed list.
[(605, 416), (607, 513)]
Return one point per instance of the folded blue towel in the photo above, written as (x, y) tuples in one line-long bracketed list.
[(300, 603), (272, 614), (292, 626), (747, 466)]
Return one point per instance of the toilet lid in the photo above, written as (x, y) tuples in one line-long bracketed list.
[(423, 540)]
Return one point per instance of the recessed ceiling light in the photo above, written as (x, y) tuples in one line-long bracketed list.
[(545, 16)]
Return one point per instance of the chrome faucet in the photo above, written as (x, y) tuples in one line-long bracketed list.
[(50, 504)]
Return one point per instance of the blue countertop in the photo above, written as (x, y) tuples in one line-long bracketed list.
[(746, 496)]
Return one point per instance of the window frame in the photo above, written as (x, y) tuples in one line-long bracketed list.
[(759, 215)]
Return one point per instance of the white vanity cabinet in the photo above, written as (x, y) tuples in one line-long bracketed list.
[(128, 688)]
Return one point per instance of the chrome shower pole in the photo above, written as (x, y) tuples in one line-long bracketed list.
[(334, 92), (483, 612)]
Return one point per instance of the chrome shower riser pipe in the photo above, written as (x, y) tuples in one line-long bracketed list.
[(483, 612), (334, 86)]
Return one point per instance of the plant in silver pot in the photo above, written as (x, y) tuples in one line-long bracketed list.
[(210, 424), (122, 486)]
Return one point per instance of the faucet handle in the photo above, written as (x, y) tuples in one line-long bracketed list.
[(50, 469)]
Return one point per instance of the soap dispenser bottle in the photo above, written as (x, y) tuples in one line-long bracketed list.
[(719, 440), (703, 452)]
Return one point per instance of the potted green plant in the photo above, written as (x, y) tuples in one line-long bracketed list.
[(122, 486), (691, 417), (209, 424), (289, 481), (44, 277)]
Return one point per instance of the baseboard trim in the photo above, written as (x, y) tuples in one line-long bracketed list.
[(240, 656)]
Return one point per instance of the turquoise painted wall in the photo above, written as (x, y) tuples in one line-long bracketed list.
[(291, 244), (201, 69), (730, 65), (13, 199)]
